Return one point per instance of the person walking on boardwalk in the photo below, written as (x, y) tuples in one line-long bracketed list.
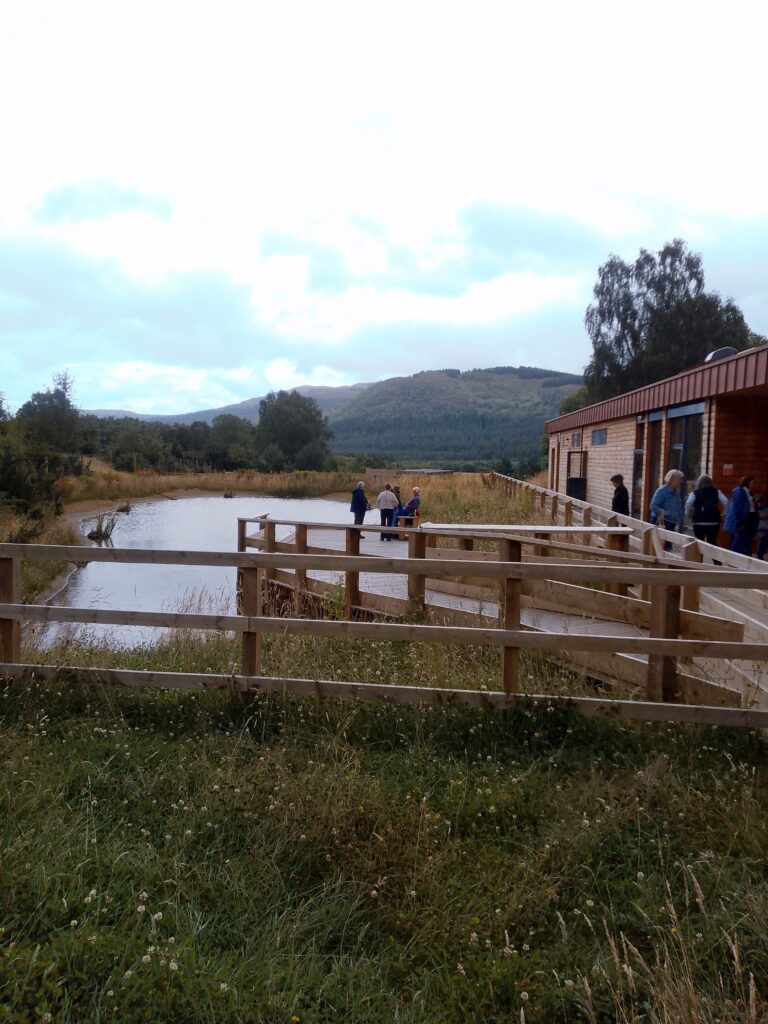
[(359, 504), (743, 517), (705, 508), (620, 501), (667, 502), (386, 503)]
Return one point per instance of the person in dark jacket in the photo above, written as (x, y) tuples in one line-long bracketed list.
[(411, 509), (705, 506), (620, 502), (359, 504), (743, 517)]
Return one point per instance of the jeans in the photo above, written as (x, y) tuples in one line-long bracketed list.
[(386, 520), (741, 543), (707, 532)]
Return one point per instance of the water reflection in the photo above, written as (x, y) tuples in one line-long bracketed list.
[(187, 524)]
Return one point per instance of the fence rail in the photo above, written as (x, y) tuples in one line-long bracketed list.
[(506, 573)]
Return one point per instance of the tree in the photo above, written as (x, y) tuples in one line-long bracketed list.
[(290, 422), (653, 319), (49, 420)]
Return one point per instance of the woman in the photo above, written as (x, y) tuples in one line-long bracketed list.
[(411, 509), (705, 507), (386, 503), (667, 502), (742, 517)]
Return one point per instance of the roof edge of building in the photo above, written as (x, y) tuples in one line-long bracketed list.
[(698, 382)]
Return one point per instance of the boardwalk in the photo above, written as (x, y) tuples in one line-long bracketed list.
[(554, 608)]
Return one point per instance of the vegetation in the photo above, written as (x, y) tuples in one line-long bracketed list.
[(198, 857), (36, 576), (480, 416), (652, 319)]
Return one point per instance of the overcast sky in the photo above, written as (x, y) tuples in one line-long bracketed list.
[(200, 202)]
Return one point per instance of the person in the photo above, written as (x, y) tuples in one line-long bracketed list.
[(386, 503), (762, 528), (411, 509), (705, 507), (742, 519), (359, 504), (667, 502), (620, 502), (398, 510)]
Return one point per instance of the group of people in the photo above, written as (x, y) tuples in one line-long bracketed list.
[(745, 516), (390, 506)]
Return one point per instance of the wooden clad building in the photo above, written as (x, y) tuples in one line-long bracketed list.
[(709, 419)]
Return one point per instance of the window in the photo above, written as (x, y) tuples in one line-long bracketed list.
[(577, 464), (685, 447), (638, 465), (599, 436), (576, 440)]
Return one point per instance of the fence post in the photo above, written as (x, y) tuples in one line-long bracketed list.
[(648, 549), (509, 616), (567, 513), (553, 510), (301, 574), (691, 553), (250, 604), (586, 520), (467, 543), (617, 542), (417, 585), (662, 683), (10, 593), (351, 579)]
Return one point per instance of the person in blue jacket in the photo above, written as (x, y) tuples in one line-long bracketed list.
[(359, 504), (742, 519), (667, 502)]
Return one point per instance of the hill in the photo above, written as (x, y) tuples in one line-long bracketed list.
[(330, 400), (448, 415), (436, 416)]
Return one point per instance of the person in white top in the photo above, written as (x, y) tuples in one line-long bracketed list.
[(386, 503)]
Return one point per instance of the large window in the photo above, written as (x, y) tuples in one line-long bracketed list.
[(684, 449), (599, 436), (577, 464)]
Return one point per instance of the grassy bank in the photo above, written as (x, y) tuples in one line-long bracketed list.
[(36, 576), (202, 858)]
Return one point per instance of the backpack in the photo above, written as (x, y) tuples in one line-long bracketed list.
[(706, 505)]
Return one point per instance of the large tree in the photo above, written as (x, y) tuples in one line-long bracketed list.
[(653, 318), (295, 425)]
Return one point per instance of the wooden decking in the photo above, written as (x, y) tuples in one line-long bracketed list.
[(546, 606)]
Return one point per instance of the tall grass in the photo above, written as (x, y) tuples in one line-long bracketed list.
[(200, 857), (36, 576)]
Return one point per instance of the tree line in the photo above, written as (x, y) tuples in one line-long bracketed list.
[(49, 438)]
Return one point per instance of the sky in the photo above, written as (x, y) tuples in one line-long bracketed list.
[(201, 202)]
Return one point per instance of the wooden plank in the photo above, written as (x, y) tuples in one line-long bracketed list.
[(539, 640), (251, 602), (417, 550), (10, 593), (300, 544), (665, 622), (566, 571), (617, 709), (351, 578), (618, 542), (690, 599), (509, 618)]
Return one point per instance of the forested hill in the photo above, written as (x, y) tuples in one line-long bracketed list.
[(447, 415)]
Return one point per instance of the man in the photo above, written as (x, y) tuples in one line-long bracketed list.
[(620, 501), (386, 503)]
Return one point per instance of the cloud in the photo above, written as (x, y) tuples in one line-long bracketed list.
[(93, 200)]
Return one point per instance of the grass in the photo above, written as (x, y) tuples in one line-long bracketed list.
[(107, 484), (36, 576), (204, 858)]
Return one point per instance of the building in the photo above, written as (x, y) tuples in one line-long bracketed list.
[(710, 419)]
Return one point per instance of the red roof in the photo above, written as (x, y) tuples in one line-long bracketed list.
[(748, 369)]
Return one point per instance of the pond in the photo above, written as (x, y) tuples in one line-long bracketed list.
[(204, 523)]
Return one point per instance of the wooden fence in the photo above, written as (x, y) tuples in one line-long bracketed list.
[(509, 575)]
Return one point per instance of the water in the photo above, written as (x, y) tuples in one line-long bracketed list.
[(186, 524)]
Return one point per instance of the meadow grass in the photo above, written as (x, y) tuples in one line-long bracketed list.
[(212, 857), (36, 576), (206, 857)]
